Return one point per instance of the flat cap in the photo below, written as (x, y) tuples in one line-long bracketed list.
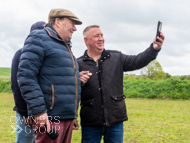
[(58, 13)]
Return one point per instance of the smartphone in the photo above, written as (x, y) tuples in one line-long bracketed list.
[(159, 27)]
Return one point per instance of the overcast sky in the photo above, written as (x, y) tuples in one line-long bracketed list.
[(129, 26)]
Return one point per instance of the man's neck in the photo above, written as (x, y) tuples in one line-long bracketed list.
[(94, 55)]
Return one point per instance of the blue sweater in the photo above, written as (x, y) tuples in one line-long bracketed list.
[(48, 76)]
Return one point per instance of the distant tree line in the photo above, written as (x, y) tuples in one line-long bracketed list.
[(155, 83)]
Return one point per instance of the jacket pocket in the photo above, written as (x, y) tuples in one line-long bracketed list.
[(118, 98), (88, 112), (118, 108), (52, 97), (88, 103)]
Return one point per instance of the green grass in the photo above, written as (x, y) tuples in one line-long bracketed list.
[(5, 73), (154, 120), (150, 120), (6, 112)]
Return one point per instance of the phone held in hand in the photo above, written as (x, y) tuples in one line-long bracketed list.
[(159, 27)]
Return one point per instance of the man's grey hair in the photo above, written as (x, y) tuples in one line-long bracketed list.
[(90, 27), (52, 22)]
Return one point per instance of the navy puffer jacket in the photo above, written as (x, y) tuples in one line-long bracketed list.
[(48, 76)]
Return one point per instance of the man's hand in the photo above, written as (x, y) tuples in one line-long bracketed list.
[(41, 120), (158, 45), (28, 121), (84, 76), (75, 126)]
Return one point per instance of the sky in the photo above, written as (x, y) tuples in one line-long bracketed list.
[(128, 26)]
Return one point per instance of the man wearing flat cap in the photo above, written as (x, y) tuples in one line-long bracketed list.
[(49, 78)]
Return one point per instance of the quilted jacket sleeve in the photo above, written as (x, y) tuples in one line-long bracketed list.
[(134, 62), (30, 63)]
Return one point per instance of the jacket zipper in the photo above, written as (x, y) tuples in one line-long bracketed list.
[(76, 80), (52, 96), (99, 64)]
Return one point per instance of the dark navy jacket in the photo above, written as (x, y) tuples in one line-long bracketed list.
[(48, 76), (20, 104)]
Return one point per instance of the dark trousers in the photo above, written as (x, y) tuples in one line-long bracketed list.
[(112, 134)]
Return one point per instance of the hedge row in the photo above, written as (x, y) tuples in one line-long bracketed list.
[(142, 88), (146, 88), (5, 85)]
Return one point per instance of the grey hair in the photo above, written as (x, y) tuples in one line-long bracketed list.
[(90, 27), (52, 22)]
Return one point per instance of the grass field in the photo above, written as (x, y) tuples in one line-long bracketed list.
[(5, 73), (150, 120)]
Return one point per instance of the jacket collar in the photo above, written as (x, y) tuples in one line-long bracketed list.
[(53, 33), (105, 55)]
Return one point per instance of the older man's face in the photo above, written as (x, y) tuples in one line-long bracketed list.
[(66, 29)]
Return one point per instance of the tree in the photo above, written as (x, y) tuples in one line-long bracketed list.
[(153, 71)]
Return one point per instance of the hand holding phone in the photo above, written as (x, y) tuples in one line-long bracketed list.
[(159, 27)]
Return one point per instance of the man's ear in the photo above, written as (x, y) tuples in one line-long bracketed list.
[(57, 22), (86, 41)]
